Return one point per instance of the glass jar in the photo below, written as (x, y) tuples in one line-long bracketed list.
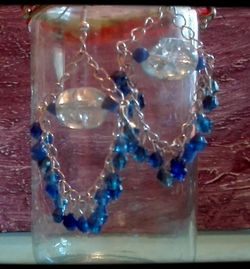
[(149, 223)]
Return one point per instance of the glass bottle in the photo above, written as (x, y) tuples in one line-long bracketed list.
[(149, 223)]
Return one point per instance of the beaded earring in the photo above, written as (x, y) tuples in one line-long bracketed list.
[(79, 108), (169, 59)]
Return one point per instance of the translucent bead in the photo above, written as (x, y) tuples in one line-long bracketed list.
[(70, 222), (120, 145), (102, 197), (215, 87), (165, 177), (189, 153), (155, 160), (36, 130), (58, 215), (199, 142), (172, 59), (210, 102), (39, 151), (52, 191), (140, 154), (82, 224), (80, 108), (203, 124), (52, 177), (201, 63), (45, 165), (121, 80), (119, 161), (178, 169)]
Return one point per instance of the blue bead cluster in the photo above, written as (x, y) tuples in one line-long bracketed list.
[(111, 191)]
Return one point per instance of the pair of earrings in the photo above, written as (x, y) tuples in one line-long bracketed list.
[(170, 58)]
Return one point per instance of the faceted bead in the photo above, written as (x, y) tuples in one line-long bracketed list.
[(120, 145), (199, 142), (110, 104), (112, 181), (132, 145), (140, 55), (52, 177), (49, 138), (141, 101), (70, 222), (131, 107), (203, 124), (39, 151), (155, 160), (61, 203), (115, 193), (80, 108), (210, 102), (58, 215), (172, 59), (119, 161), (52, 191), (51, 108), (201, 63), (178, 169), (189, 153), (94, 228), (36, 130), (45, 165), (140, 154), (215, 87), (121, 80), (165, 177), (99, 216), (130, 132), (82, 224), (102, 197)]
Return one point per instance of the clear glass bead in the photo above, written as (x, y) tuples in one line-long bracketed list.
[(171, 58), (81, 108)]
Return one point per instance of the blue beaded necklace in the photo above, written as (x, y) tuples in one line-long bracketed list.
[(130, 134)]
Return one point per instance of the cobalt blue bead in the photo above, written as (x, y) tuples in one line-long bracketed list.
[(201, 63), (36, 130), (155, 160), (140, 55), (39, 151), (94, 228), (119, 161), (199, 142), (102, 197), (131, 109), (210, 102), (120, 145), (49, 138), (110, 104), (51, 108), (58, 215), (215, 87), (132, 145), (70, 222), (177, 169), (82, 224), (45, 165), (203, 124), (165, 177), (61, 203), (112, 181), (121, 80), (99, 216), (115, 193), (140, 154), (189, 153), (130, 132), (141, 101), (52, 191), (52, 177)]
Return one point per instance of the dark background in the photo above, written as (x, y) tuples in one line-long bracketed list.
[(224, 168)]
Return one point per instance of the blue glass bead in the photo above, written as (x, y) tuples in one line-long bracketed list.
[(121, 80), (131, 109), (140, 55), (36, 130), (51, 108), (58, 215), (52, 191), (82, 224), (131, 133), (70, 222), (165, 177), (45, 165), (199, 142), (112, 181), (110, 104), (102, 197), (119, 161), (99, 216), (189, 153), (61, 203), (141, 101), (210, 102), (214, 87), (52, 177), (120, 145), (49, 138), (140, 154), (203, 124), (116, 193), (177, 169), (155, 160), (39, 151), (201, 63)]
